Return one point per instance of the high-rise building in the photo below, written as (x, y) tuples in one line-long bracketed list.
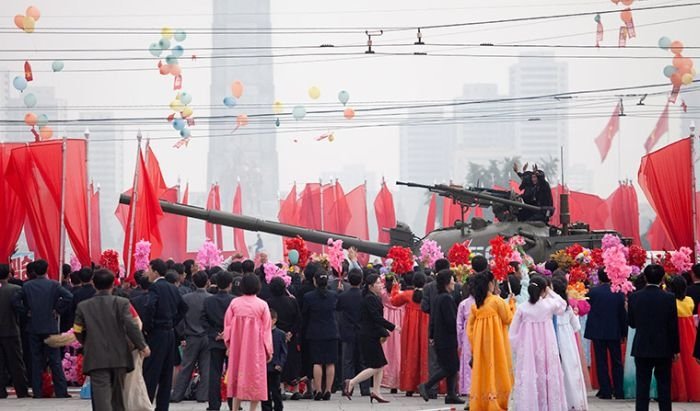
[(539, 132), (250, 153)]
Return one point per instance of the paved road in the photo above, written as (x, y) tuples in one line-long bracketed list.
[(398, 402)]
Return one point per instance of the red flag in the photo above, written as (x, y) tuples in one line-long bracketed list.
[(432, 213), (657, 238), (146, 214), (604, 140), (385, 213), (12, 213), (309, 211), (583, 207), (336, 212), (95, 225), (172, 230), (28, 71), (358, 225), (624, 212), (154, 172), (451, 212), (659, 130), (211, 231), (238, 234), (288, 208)]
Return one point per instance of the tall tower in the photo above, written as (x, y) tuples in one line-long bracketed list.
[(253, 157)]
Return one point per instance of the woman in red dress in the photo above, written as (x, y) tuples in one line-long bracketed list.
[(685, 373), (414, 333)]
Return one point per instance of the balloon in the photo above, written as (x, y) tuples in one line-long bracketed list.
[(29, 24), (597, 18), (19, 21), (331, 138), (676, 79), (164, 69), (166, 33), (178, 51), (57, 66), (42, 120), (242, 120), (180, 35), (185, 133), (30, 100), (277, 107), (179, 124), (155, 49), (626, 15), (176, 106), (669, 70), (277, 122), (186, 98), (33, 12), (237, 89), (187, 112), (45, 132), (627, 2), (293, 257), (314, 92), (30, 119), (343, 97), (687, 78), (676, 47), (171, 59), (20, 83), (230, 102), (349, 113), (299, 112), (175, 69), (164, 43)]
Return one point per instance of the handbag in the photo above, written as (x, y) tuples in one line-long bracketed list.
[(86, 390), (135, 393)]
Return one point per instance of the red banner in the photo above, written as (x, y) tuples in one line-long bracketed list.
[(288, 210), (173, 230), (309, 211), (605, 138), (358, 225), (385, 213), (238, 234), (624, 212), (336, 212), (12, 212), (432, 213), (583, 207)]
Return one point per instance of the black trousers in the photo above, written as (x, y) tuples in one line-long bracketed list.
[(601, 349), (274, 396), (448, 364), (217, 358), (158, 367), (41, 354), (662, 371), (12, 364), (108, 389)]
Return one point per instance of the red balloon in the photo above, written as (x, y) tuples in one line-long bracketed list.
[(676, 47), (626, 15), (627, 2), (676, 78), (19, 21)]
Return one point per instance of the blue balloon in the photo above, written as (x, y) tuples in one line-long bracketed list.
[(299, 112), (171, 59), (293, 257), (179, 124), (669, 71), (178, 51), (164, 44), (664, 43), (57, 66), (343, 97), (186, 98), (185, 132), (230, 102), (180, 35), (30, 100), (42, 120), (155, 49), (20, 83)]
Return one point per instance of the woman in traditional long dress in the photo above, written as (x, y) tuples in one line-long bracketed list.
[(414, 333), (685, 373), (539, 380), (392, 346), (465, 370), (247, 336), (487, 329)]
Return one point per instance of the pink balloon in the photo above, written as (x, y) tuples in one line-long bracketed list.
[(164, 69), (33, 12), (19, 21), (237, 89), (349, 113), (175, 69), (45, 132)]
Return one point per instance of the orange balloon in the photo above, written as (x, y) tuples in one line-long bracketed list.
[(237, 89), (33, 12), (678, 62), (627, 2), (19, 21), (30, 119), (164, 69), (676, 79), (676, 47), (242, 120), (175, 69), (626, 15), (349, 113), (45, 132)]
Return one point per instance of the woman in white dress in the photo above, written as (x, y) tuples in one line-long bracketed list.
[(567, 327)]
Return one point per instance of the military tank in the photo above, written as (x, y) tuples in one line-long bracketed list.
[(541, 239)]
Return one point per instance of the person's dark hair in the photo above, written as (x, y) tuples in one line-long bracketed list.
[(418, 283), (537, 285), (696, 271), (441, 264), (65, 271), (103, 279), (515, 286), (480, 287), (248, 266), (170, 263), (75, 278), (188, 264), (171, 276), (4, 271), (688, 278), (654, 273), (346, 266), (603, 276), (559, 286), (408, 279), (144, 282), (639, 282), (679, 287), (213, 270), (369, 281), (277, 287), (179, 268), (355, 277), (31, 271), (551, 265), (223, 280), (85, 275), (250, 284), (273, 314), (479, 263), (40, 267), (200, 279), (310, 271), (235, 267), (443, 280), (159, 267), (321, 279)]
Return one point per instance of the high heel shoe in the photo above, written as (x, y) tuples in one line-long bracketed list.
[(318, 396), (326, 396), (347, 393), (373, 396)]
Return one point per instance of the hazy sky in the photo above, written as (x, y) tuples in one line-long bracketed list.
[(371, 151)]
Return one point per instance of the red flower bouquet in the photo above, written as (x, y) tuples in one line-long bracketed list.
[(501, 252), (637, 256), (459, 254), (403, 259), (297, 243), (110, 260)]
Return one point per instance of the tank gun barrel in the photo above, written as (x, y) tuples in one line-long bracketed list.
[(271, 227)]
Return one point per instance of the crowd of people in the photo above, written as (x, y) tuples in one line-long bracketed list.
[(237, 335)]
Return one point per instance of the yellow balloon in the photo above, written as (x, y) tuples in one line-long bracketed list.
[(277, 107), (29, 24), (314, 92), (167, 33), (187, 112), (177, 106), (687, 78)]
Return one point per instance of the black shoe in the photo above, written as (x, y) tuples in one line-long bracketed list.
[(423, 392), (64, 396), (393, 391), (318, 396), (326, 396), (453, 400), (295, 397), (308, 395), (432, 396), (409, 393)]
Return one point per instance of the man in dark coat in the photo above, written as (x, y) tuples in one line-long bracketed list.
[(85, 290), (606, 326), (11, 361), (165, 310), (653, 313), (105, 326), (213, 313), (44, 301)]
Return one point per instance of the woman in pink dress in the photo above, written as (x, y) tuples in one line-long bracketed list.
[(465, 371), (392, 346), (247, 336)]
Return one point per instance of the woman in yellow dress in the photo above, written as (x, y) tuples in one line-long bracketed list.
[(492, 369)]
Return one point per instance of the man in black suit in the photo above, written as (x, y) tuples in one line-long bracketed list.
[(606, 326), (86, 289), (349, 304), (652, 312), (213, 313), (44, 301), (11, 362), (165, 309)]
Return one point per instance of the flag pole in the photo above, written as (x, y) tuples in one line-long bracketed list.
[(693, 189), (132, 206), (62, 247), (89, 191), (320, 191)]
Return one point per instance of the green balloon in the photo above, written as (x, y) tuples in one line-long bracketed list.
[(180, 35), (42, 120)]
